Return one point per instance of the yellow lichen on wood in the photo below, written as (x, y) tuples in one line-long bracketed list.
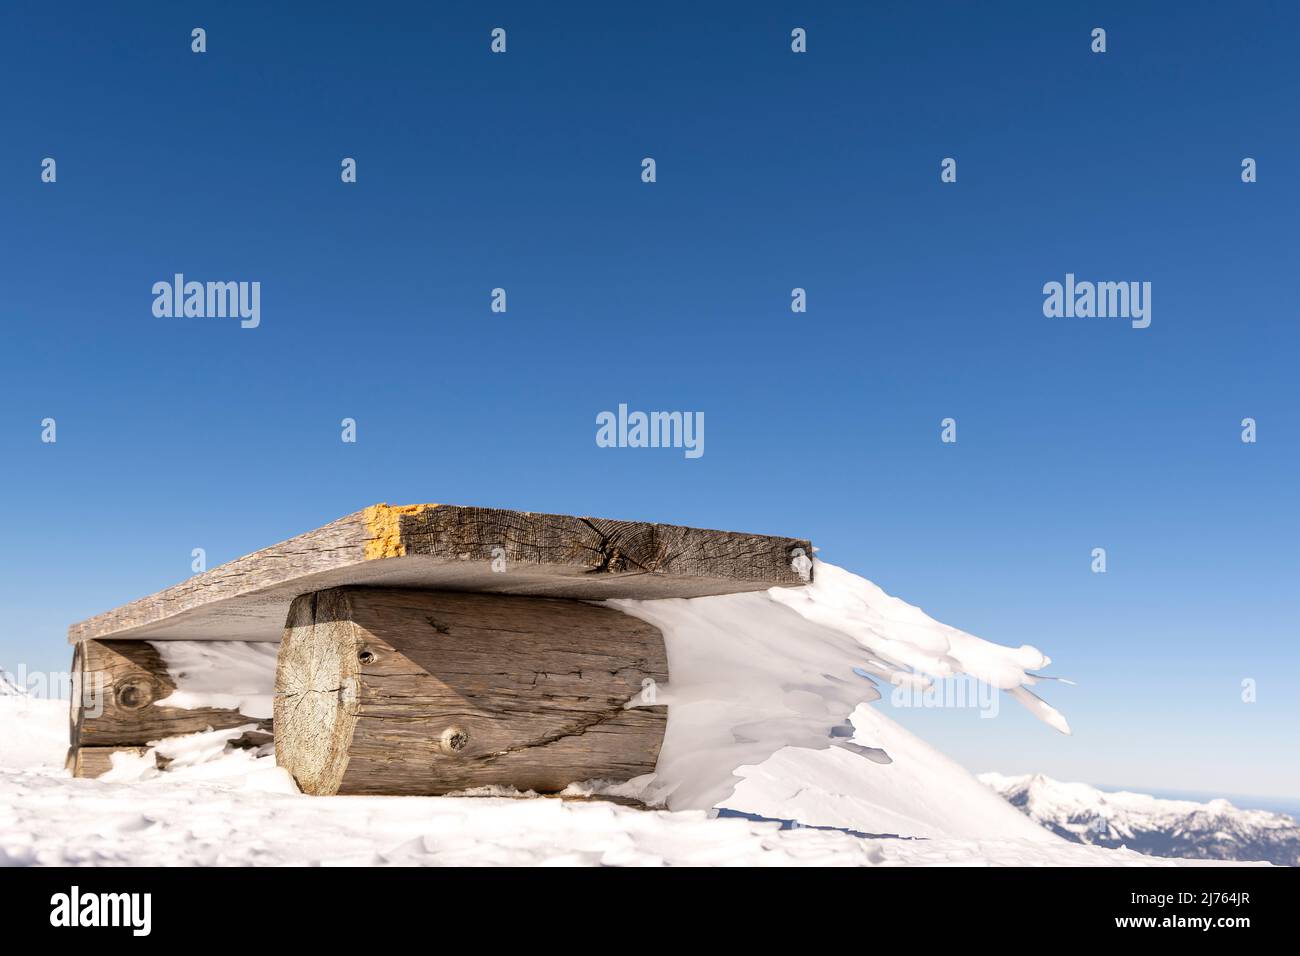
[(384, 529)]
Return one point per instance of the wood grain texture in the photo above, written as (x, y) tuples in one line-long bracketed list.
[(453, 548), (116, 686), (394, 691)]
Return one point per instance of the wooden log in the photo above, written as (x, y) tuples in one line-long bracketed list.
[(452, 548), (384, 691), (116, 689), (89, 762)]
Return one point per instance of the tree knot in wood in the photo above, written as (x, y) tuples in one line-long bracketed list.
[(453, 740), (135, 693)]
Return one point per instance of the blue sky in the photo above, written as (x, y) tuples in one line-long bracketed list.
[(775, 170)]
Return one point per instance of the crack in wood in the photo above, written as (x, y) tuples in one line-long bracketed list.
[(545, 741)]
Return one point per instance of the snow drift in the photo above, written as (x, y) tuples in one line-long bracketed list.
[(228, 675), (754, 674)]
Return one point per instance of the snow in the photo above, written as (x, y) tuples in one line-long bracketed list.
[(755, 673), (33, 732), (237, 808), (228, 675), (1046, 798), (1186, 828), (913, 647), (204, 756), (922, 793), (769, 719)]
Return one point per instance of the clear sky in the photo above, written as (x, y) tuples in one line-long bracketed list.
[(775, 170)]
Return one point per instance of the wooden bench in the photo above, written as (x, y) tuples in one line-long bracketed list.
[(428, 648)]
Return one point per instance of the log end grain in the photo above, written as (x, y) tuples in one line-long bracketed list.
[(316, 683)]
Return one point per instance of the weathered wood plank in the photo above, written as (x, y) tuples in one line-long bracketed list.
[(116, 689), (454, 548), (383, 691)]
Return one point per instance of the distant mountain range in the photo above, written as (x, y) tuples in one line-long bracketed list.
[(8, 686), (1173, 828)]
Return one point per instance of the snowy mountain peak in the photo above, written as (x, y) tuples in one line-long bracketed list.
[(8, 686), (1216, 830)]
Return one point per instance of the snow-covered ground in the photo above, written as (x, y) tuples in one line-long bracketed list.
[(240, 809), (770, 720)]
